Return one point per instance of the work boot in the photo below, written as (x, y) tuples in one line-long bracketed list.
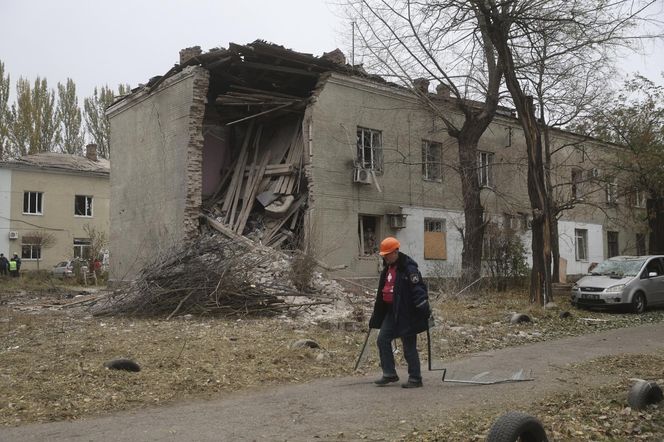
[(412, 383), (386, 380)]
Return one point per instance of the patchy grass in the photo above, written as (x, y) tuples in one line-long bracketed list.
[(51, 359)]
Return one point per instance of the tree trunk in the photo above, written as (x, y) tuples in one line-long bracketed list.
[(471, 254)]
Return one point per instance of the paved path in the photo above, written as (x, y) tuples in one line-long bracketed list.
[(324, 409)]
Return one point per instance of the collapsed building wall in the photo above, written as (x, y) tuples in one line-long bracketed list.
[(156, 186)]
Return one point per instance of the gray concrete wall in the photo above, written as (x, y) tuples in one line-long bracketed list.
[(156, 145), (343, 103)]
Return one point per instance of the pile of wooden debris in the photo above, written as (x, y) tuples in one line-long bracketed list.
[(216, 275)]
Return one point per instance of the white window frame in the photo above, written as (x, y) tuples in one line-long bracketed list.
[(80, 245), (33, 248), (432, 164), (612, 190), (640, 198), (485, 169), (38, 203), (581, 244), (370, 149), (88, 206)]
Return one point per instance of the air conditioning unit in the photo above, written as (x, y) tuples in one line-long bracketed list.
[(397, 220), (362, 176), (13, 234)]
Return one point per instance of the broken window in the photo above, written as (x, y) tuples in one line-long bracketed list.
[(432, 154), (82, 248), (485, 169), (581, 237), (82, 205), (612, 244), (30, 248), (641, 244), (32, 203), (435, 239), (368, 231), (369, 149)]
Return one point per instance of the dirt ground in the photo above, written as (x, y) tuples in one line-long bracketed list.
[(53, 351)]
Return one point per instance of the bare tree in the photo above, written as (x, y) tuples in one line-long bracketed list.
[(4, 111), (445, 42), (570, 27), (96, 121), (635, 121)]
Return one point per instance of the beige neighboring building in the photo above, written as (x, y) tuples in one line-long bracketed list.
[(57, 193)]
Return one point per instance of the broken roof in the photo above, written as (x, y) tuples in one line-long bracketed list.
[(62, 162)]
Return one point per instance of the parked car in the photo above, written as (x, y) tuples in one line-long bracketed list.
[(65, 269), (633, 281)]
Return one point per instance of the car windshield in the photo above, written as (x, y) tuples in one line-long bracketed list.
[(628, 267)]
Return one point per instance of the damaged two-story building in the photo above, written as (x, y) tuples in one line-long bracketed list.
[(297, 151)]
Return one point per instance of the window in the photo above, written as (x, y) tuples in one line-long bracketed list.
[(641, 244), (82, 205), (581, 236), (612, 190), (577, 184), (654, 266), (82, 248), (435, 238), (511, 222), (369, 149), (485, 169), (30, 248), (32, 203), (612, 244), (640, 198), (368, 231), (432, 154)]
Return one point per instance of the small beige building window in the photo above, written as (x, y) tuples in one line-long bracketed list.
[(368, 233), (435, 238), (432, 154)]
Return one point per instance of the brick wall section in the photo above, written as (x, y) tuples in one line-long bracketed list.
[(195, 154)]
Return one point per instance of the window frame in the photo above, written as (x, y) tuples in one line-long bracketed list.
[(434, 227), (429, 163), (581, 236), (361, 231), (612, 191), (485, 162), (84, 244), (39, 201), (32, 247), (610, 243), (87, 206), (374, 148)]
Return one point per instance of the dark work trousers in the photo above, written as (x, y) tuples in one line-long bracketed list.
[(384, 342)]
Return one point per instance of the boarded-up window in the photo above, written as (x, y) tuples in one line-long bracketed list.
[(435, 240)]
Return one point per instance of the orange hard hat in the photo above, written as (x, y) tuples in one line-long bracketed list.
[(389, 245)]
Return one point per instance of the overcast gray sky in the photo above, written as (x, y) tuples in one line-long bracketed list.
[(128, 41)]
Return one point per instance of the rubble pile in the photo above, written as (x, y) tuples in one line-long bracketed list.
[(220, 276)]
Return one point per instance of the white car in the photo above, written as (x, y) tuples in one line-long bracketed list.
[(633, 281), (65, 269)]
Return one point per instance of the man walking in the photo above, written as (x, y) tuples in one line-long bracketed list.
[(401, 311), (4, 264)]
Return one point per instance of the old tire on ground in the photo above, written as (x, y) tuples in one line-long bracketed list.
[(516, 426), (638, 303), (644, 393)]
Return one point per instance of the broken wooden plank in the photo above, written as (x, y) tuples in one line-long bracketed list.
[(252, 195), (260, 113)]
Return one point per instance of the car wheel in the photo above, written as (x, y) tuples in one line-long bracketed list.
[(514, 426), (639, 303)]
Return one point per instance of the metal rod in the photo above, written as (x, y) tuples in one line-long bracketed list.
[(359, 358)]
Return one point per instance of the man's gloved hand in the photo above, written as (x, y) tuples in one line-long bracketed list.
[(425, 308)]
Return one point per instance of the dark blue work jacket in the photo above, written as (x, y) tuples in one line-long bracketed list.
[(409, 292)]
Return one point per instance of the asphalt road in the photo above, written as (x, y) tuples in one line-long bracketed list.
[(352, 408)]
